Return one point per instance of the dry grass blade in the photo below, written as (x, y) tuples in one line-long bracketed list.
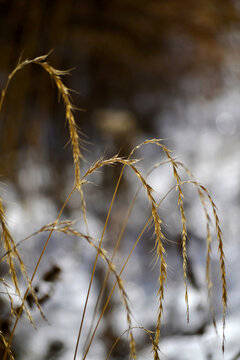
[(124, 225), (49, 227), (167, 152), (114, 252), (112, 290), (157, 225), (64, 92), (97, 165), (202, 191), (120, 273), (159, 236), (222, 262), (109, 162), (148, 332), (7, 287), (184, 232), (34, 272), (12, 253), (183, 220), (5, 343), (70, 231), (208, 254), (20, 65)]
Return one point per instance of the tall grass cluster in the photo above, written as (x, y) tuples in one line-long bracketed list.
[(13, 258)]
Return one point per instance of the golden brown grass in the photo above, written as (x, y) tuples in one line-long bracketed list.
[(67, 227)]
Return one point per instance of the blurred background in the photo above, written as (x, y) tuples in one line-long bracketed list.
[(140, 69)]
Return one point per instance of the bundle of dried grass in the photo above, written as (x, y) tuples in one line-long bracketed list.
[(66, 227)]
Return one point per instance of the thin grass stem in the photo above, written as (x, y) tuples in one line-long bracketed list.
[(33, 275)]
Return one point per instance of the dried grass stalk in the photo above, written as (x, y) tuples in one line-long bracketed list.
[(12, 253), (200, 190), (148, 332), (5, 343), (64, 92), (67, 229)]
